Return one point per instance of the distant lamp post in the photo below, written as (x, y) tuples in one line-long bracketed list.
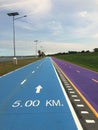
[(13, 15), (36, 41)]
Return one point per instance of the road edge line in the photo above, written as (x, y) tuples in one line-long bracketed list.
[(75, 117)]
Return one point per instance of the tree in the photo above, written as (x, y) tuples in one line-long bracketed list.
[(82, 51), (72, 52), (95, 49), (41, 53), (87, 51)]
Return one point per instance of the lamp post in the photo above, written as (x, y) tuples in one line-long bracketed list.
[(36, 41), (13, 15)]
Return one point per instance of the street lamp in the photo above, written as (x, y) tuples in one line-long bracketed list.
[(13, 15), (36, 41)]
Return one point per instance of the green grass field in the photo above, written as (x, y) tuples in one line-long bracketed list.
[(87, 60), (6, 67)]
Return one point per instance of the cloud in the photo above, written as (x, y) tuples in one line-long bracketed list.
[(95, 36), (83, 14), (23, 25), (55, 27), (52, 47), (30, 6), (67, 24), (49, 47)]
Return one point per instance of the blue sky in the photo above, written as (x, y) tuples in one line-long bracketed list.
[(58, 25)]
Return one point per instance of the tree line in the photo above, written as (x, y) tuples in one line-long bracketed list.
[(41, 53), (75, 52)]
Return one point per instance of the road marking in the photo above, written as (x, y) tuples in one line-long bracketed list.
[(23, 81), (90, 121), (80, 105), (64, 79), (65, 82), (38, 88), (68, 86), (77, 100), (33, 72), (84, 112), (86, 101), (78, 124), (96, 81), (70, 89), (71, 92), (74, 96), (78, 71)]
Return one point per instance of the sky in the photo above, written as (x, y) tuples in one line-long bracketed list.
[(58, 25)]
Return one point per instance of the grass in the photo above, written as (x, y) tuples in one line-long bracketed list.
[(6, 67), (87, 60)]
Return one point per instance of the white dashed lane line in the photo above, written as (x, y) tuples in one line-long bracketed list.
[(90, 121), (80, 105), (23, 81), (37, 67), (68, 86), (33, 72), (94, 80), (78, 71), (84, 112), (70, 89), (71, 92), (74, 96), (77, 100)]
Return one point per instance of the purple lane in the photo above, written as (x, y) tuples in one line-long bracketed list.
[(85, 80)]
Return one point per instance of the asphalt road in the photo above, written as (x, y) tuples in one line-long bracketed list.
[(33, 98), (85, 81)]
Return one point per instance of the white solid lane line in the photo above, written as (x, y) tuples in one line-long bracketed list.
[(69, 103)]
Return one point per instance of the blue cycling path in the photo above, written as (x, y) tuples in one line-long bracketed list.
[(32, 98)]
